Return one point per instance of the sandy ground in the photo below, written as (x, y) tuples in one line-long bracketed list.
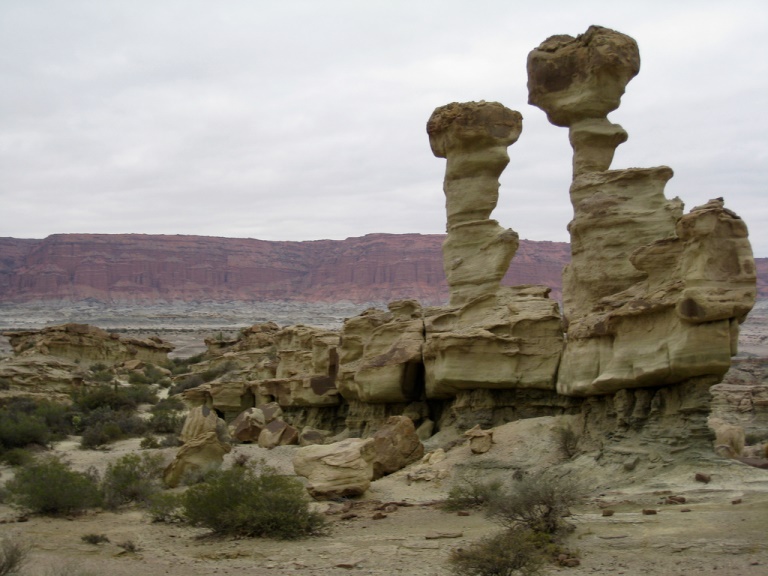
[(714, 536)]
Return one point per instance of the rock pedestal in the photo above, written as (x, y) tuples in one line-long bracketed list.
[(651, 297)]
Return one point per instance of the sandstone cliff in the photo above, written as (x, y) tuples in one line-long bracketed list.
[(138, 267)]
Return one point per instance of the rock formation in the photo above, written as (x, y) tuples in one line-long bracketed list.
[(338, 470), (87, 344), (651, 297)]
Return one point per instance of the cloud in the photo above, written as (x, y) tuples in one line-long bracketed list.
[(305, 120)]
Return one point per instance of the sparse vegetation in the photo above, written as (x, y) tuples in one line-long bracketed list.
[(539, 503), (132, 478), (165, 507), (472, 492), (49, 486), (508, 553), (243, 502), (13, 556), (567, 440), (94, 538)]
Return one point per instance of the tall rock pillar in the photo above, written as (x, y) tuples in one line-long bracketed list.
[(651, 297), (473, 137)]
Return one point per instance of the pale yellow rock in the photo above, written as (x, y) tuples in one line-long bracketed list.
[(473, 137), (380, 354), (337, 470), (197, 456), (510, 339), (651, 297)]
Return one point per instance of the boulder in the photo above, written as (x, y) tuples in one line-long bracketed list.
[(248, 425), (480, 441), (278, 433), (199, 455), (396, 444), (203, 419), (338, 470)]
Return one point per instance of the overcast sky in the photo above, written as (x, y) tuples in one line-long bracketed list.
[(301, 120)]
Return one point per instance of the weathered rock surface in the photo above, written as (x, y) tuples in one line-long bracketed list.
[(380, 356), (87, 344), (651, 297), (510, 339), (199, 455), (338, 470), (397, 445), (473, 137)]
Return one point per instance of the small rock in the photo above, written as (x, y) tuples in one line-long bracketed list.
[(438, 535), (675, 500), (462, 513), (348, 516), (685, 509), (608, 512), (649, 512), (379, 516), (348, 564), (737, 501), (631, 463), (701, 477), (389, 508)]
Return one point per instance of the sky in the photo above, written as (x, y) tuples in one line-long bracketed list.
[(305, 119)]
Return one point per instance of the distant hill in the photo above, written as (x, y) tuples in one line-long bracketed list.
[(157, 268)]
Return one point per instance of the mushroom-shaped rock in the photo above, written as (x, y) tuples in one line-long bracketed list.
[(336, 470)]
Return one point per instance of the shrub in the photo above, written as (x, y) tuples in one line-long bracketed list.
[(141, 394), (166, 422), (104, 425), (242, 502), (537, 503), (94, 538), (505, 554), (20, 429), (16, 457), (112, 397), (132, 478), (50, 487), (165, 507), (149, 442), (13, 555), (567, 440), (470, 492)]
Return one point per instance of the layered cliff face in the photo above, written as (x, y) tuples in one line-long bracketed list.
[(137, 267)]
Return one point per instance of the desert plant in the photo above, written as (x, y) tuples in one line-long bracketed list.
[(567, 440), (16, 457), (539, 503), (165, 507), (104, 425), (49, 486), (94, 538), (243, 502), (149, 441), (13, 555), (472, 492), (20, 429), (129, 546), (132, 478), (508, 553)]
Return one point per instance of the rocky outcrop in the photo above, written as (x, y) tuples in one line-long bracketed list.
[(86, 344), (397, 445), (651, 297)]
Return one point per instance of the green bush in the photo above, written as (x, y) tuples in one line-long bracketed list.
[(187, 382), (16, 457), (141, 394), (132, 478), (509, 553), (50, 487), (165, 507), (104, 425), (539, 503), (113, 397), (242, 502), (20, 429)]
